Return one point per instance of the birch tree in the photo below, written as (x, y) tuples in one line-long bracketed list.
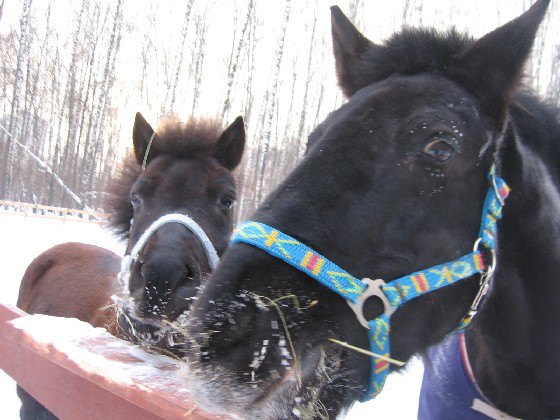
[(234, 57), (14, 125), (199, 52), (269, 115), (179, 56), (102, 112)]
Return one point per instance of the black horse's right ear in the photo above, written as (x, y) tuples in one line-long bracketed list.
[(493, 66), (349, 45), (141, 136), (230, 145)]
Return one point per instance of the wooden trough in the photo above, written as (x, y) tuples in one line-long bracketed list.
[(78, 371)]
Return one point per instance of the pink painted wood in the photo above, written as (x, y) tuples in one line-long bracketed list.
[(71, 390)]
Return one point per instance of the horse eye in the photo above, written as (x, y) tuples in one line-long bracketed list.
[(135, 201), (227, 202), (439, 150)]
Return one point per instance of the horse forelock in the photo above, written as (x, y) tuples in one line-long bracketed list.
[(193, 138), (411, 51)]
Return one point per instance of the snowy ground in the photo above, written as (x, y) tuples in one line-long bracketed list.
[(23, 239)]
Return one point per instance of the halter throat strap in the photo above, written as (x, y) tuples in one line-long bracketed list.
[(395, 293), (188, 222)]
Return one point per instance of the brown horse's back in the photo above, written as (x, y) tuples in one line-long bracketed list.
[(72, 280)]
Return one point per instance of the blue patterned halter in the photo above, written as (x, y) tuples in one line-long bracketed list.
[(394, 293)]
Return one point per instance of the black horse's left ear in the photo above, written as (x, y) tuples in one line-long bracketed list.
[(229, 149), (492, 67), (349, 46)]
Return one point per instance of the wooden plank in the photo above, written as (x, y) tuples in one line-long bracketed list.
[(72, 389)]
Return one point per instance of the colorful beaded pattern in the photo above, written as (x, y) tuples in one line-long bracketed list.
[(300, 256)]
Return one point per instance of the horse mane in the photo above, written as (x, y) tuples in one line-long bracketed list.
[(538, 124), (196, 138)]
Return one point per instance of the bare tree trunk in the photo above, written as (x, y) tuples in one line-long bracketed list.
[(319, 102), (73, 100), (198, 62), (250, 53), (272, 100), (554, 85), (179, 55), (46, 168), (86, 111), (234, 58), (108, 80), (14, 126), (303, 114)]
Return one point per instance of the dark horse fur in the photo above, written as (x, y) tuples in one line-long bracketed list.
[(394, 182), (188, 171)]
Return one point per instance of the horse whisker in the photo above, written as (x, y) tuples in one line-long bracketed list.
[(295, 299)]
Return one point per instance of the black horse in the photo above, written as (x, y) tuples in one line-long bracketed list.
[(394, 182)]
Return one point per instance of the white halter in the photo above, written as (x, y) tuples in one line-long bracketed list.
[(128, 260)]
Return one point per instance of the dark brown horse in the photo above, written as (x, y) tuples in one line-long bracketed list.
[(182, 172), (394, 182)]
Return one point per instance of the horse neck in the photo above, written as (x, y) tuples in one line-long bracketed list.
[(514, 341)]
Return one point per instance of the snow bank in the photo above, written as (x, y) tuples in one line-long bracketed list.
[(98, 352)]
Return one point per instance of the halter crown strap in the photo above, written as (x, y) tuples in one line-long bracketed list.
[(394, 293)]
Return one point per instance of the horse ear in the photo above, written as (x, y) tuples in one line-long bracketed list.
[(493, 65), (230, 145), (141, 136), (348, 45)]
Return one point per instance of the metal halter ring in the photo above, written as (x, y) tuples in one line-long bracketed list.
[(374, 288), (492, 266)]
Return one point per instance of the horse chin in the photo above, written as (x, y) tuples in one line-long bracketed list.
[(296, 393)]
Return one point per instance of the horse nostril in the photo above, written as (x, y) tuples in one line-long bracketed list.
[(188, 275)]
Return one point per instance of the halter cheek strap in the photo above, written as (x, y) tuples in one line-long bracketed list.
[(393, 294), (189, 223)]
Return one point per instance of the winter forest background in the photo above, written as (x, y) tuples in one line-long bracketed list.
[(73, 73)]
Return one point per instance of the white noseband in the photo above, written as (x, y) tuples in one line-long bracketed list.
[(126, 264)]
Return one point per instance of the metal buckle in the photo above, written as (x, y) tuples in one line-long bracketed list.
[(484, 281), (373, 289), (482, 290)]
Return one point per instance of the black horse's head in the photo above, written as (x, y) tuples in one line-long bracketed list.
[(183, 169), (392, 182)]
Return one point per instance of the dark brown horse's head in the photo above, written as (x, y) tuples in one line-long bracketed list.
[(392, 182), (183, 169)]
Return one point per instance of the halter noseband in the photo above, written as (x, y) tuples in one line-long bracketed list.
[(189, 223), (394, 293)]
